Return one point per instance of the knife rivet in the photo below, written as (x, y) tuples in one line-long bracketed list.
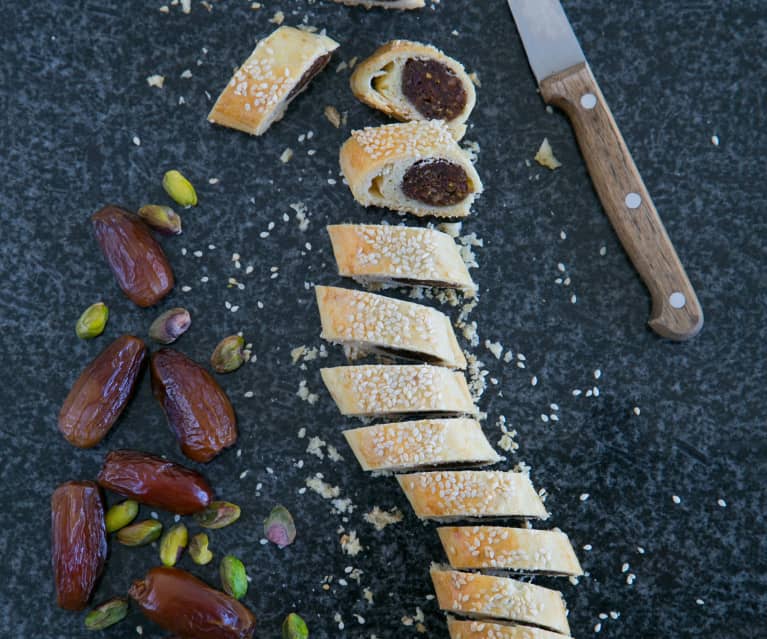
[(633, 200), (588, 100), (677, 299)]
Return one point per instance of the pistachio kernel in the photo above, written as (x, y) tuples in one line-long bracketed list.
[(228, 355), (279, 527), (92, 321), (218, 514), (170, 325), (294, 627), (234, 580), (172, 544), (107, 614), (179, 188), (198, 549), (161, 218), (140, 534), (120, 515)]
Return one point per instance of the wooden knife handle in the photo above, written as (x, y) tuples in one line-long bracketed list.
[(676, 312)]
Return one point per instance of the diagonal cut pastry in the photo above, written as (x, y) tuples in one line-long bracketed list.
[(483, 629), (429, 442), (501, 547), (378, 390), (386, 4), (369, 323), (280, 67), (386, 255), (413, 81), (458, 494), (414, 167), (476, 595)]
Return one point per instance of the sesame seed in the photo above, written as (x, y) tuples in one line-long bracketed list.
[(722, 503), (636, 410), (136, 140), (676, 499), (584, 497), (186, 288), (597, 373)]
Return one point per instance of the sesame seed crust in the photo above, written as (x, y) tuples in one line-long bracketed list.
[(385, 4), (469, 629), (456, 494), (500, 547), (379, 390), (474, 594), (429, 442), (374, 323)]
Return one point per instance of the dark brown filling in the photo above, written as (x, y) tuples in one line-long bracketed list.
[(436, 182), (317, 66), (435, 91)]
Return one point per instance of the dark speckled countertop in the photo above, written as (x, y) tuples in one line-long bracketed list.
[(683, 420)]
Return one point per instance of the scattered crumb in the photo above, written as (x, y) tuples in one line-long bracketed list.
[(277, 18), (367, 594), (303, 393), (286, 155), (350, 544), (495, 348), (475, 79), (322, 488), (545, 156), (156, 81), (380, 519), (301, 216), (315, 447), (334, 455), (333, 116), (453, 229), (186, 74)]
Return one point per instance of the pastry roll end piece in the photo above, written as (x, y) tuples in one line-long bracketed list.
[(501, 547), (460, 494), (414, 167), (385, 4), (484, 629), (379, 390), (429, 442), (413, 81), (475, 595), (386, 255), (280, 67), (369, 323)]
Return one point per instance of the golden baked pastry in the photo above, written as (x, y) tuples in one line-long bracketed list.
[(483, 629)]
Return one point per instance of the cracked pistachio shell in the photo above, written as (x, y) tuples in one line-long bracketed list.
[(279, 527), (120, 515), (140, 534), (218, 514), (107, 614), (228, 355), (161, 218), (294, 627), (198, 549), (179, 188), (170, 325), (92, 322), (234, 580)]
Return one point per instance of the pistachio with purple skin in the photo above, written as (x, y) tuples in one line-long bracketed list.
[(218, 514), (171, 325), (162, 219), (279, 527), (229, 355)]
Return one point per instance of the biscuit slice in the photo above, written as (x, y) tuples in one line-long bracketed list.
[(417, 444), (459, 494), (385, 255), (380, 391), (475, 595), (501, 547), (413, 81), (369, 323), (482, 629), (414, 167), (280, 67), (386, 4)]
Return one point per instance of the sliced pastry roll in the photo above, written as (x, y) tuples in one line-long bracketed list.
[(428, 442), (414, 81), (476, 595), (415, 167), (481, 629), (280, 67), (369, 323), (460, 494), (386, 4), (379, 391), (390, 255), (500, 547)]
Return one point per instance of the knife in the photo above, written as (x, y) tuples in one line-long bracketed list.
[(566, 81)]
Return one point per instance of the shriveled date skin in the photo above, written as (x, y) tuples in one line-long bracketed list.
[(155, 481), (78, 542), (197, 408), (180, 603), (102, 392), (136, 259)]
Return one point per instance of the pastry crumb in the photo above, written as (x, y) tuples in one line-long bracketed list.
[(495, 348), (286, 155), (315, 447), (156, 81), (545, 156), (322, 488), (350, 544), (380, 519), (367, 595), (303, 393), (277, 18), (333, 116)]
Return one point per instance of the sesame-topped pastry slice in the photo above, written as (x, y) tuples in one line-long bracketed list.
[(448, 495), (415, 167), (386, 4), (369, 323), (501, 547), (429, 442), (380, 391), (385, 255), (475, 595), (483, 629), (413, 81), (280, 67)]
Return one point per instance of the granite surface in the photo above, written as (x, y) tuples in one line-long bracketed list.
[(669, 419)]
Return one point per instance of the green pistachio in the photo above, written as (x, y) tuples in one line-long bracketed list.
[(161, 218), (170, 325), (279, 527), (218, 514), (179, 188), (198, 549), (120, 515), (228, 355), (92, 321), (140, 534), (172, 544), (233, 577), (294, 627), (107, 614)]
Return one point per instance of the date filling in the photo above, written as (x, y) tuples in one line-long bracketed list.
[(436, 182), (433, 89), (317, 66)]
